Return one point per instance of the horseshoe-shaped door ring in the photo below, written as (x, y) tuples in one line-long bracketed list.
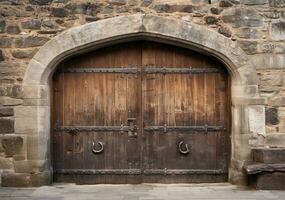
[(183, 151), (100, 150)]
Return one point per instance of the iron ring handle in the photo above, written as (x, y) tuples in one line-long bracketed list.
[(184, 152), (101, 149)]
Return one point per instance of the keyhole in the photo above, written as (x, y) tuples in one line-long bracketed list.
[(209, 1)]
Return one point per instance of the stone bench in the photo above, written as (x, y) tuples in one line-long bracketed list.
[(267, 171)]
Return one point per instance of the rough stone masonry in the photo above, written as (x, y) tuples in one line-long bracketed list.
[(257, 26)]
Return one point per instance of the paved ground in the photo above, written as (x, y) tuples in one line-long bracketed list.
[(138, 192)]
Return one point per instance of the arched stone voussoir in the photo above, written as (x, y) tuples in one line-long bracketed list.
[(92, 35)]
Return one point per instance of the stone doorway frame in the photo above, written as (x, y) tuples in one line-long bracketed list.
[(32, 119)]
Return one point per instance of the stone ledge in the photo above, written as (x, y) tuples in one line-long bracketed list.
[(10, 179)]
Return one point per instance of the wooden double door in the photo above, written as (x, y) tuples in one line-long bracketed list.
[(140, 112)]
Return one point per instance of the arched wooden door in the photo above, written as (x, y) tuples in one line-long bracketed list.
[(141, 112)]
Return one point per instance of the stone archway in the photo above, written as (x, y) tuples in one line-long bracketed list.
[(33, 119)]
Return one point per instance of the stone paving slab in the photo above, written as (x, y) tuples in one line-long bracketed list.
[(223, 191)]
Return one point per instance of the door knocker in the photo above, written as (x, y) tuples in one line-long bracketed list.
[(101, 147), (184, 151)]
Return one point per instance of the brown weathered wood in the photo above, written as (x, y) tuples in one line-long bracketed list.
[(261, 167), (113, 96)]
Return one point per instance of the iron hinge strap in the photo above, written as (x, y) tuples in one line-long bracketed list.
[(148, 70), (205, 128), (75, 129), (187, 70), (163, 172)]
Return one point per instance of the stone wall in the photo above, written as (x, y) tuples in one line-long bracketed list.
[(258, 27)]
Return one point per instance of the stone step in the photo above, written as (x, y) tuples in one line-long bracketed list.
[(270, 181), (268, 155)]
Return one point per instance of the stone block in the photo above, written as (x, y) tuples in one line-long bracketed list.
[(40, 179), (59, 12), (248, 91), (30, 41), (34, 72), (10, 69), (225, 31), (210, 20), (30, 166), (268, 61), (146, 3), (36, 148), (248, 33), (10, 179), (13, 29), (248, 75), (250, 47), (6, 125), (256, 119), (6, 112), (170, 8), (275, 139), (6, 163), (249, 101), (241, 17), (31, 24), (281, 112), (268, 155), (271, 181), (2, 25), (254, 2), (5, 42), (87, 8), (35, 91), (277, 30), (27, 53), (27, 125), (7, 101), (118, 2), (30, 111), (271, 78), (40, 2), (277, 101), (277, 3), (36, 102), (12, 145), (271, 116)]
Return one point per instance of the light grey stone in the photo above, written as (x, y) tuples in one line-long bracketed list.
[(248, 33), (7, 101), (268, 61), (254, 2), (275, 139), (242, 17), (277, 3), (277, 30), (6, 163), (257, 119)]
